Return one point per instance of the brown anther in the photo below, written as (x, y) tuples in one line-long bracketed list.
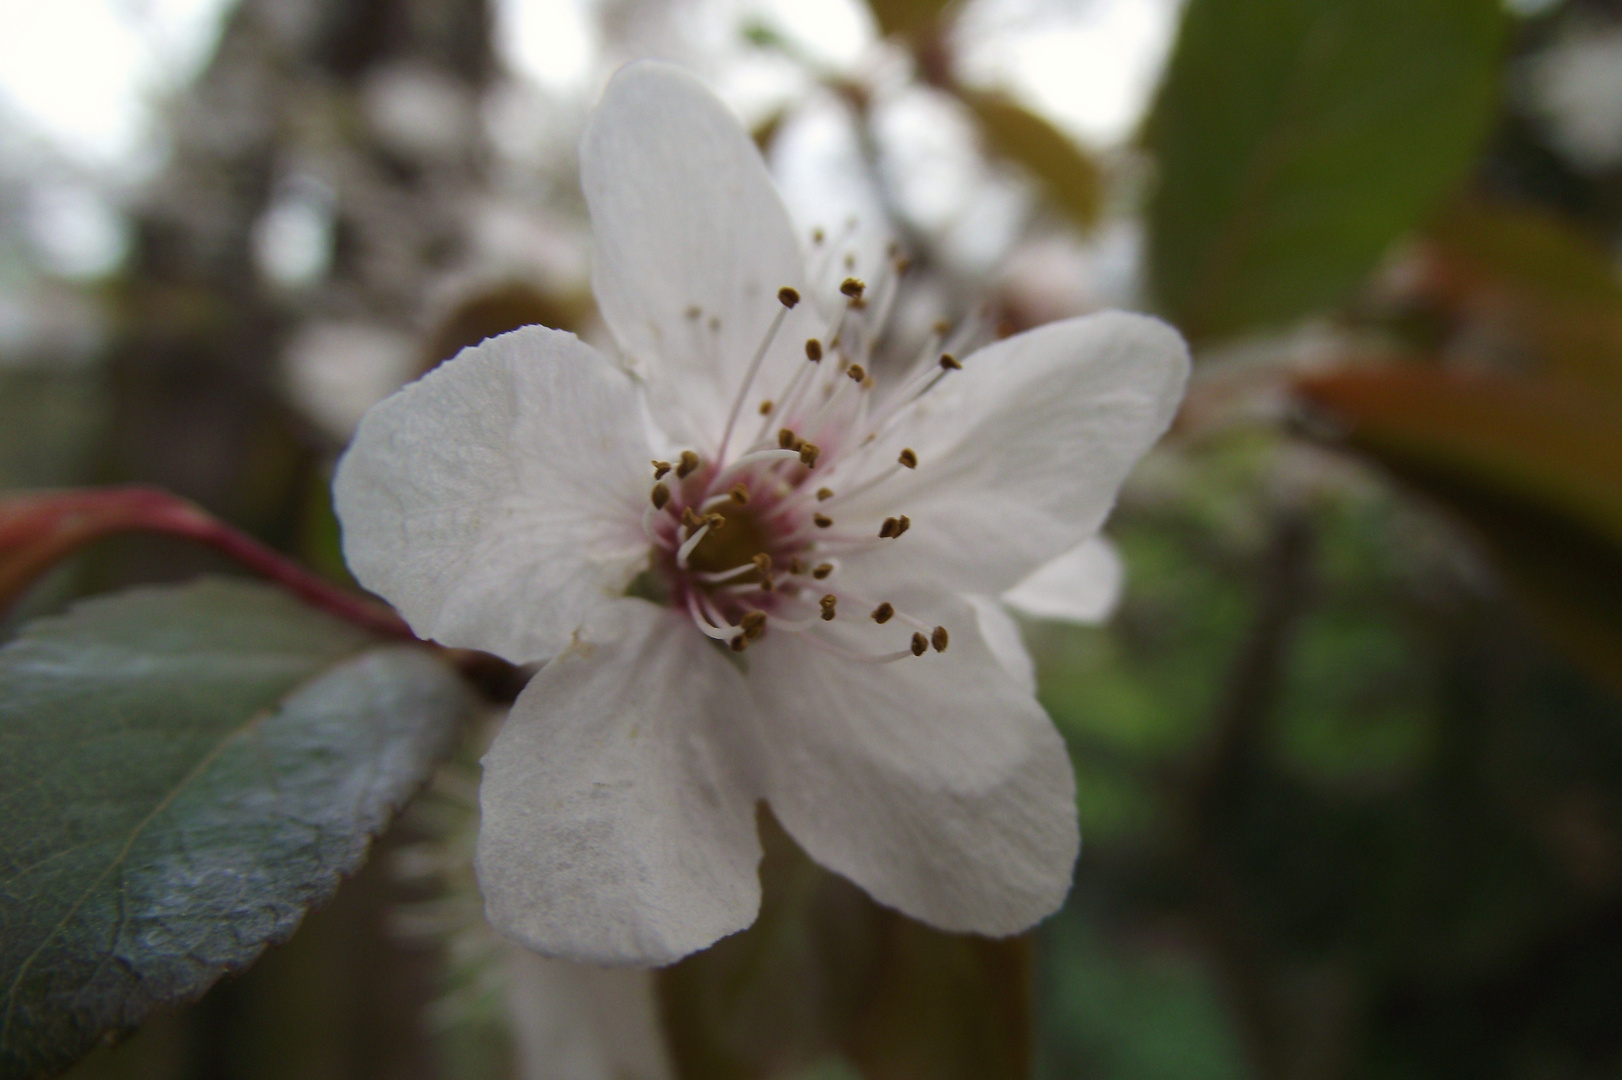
[(763, 562), (694, 311), (920, 644), (827, 604), (660, 496), (714, 521), (766, 407), (883, 613), (785, 438), (908, 458), (690, 518), (824, 494), (739, 642), (794, 564), (940, 639), (788, 297), (813, 350), (686, 466), (856, 372), (739, 493), (941, 327), (753, 624), (767, 584), (808, 454), (796, 444), (852, 287), (822, 520), (818, 236), (888, 529), (902, 524), (950, 362), (660, 468), (822, 570)]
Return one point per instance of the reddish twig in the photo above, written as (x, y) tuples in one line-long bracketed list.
[(40, 529)]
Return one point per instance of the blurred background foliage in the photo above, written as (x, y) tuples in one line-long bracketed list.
[(1349, 754)]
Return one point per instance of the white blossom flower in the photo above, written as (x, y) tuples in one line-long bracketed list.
[(783, 606)]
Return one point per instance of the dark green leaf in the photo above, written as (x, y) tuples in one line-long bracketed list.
[(1296, 139), (184, 772)]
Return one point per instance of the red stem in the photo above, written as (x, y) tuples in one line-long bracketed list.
[(37, 531)]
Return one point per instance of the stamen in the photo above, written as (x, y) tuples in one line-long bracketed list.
[(740, 643), (902, 524), (703, 621), (718, 576), (813, 350), (808, 455), (883, 613), (950, 362), (908, 458), (785, 438), (766, 407), (920, 644), (856, 372), (686, 465), (788, 297), (753, 624), (824, 494), (888, 529), (852, 287), (763, 563), (827, 604), (660, 496), (660, 468), (822, 570), (794, 564), (818, 236), (821, 521), (690, 518), (740, 493), (940, 639), (689, 544)]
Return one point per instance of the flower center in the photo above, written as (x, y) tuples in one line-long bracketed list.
[(753, 540)]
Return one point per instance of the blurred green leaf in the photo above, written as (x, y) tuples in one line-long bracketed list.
[(1069, 177), (184, 772), (1551, 284), (1296, 139), (50, 418), (907, 16)]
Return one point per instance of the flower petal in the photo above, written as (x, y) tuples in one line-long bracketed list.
[(1081, 586), (1003, 639), (692, 245), (618, 815), (936, 783), (1022, 455), (496, 501)]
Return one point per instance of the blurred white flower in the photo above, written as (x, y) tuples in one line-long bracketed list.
[(1578, 86), (791, 608)]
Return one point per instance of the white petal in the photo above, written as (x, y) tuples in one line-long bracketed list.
[(1081, 586), (936, 783), (1021, 457), (578, 1022), (685, 219), (1003, 639), (618, 818), (496, 501)]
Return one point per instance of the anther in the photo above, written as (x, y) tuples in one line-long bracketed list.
[(941, 327), (920, 644), (883, 613), (690, 518), (714, 521), (908, 458), (902, 524), (794, 564), (822, 570), (950, 362), (739, 493), (785, 438), (660, 468), (766, 583), (753, 624), (739, 642), (788, 297), (827, 605), (660, 496), (852, 287), (766, 407), (808, 454), (940, 639), (694, 311), (687, 464), (763, 562), (824, 494), (813, 350), (818, 236), (888, 529), (822, 521), (856, 372)]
